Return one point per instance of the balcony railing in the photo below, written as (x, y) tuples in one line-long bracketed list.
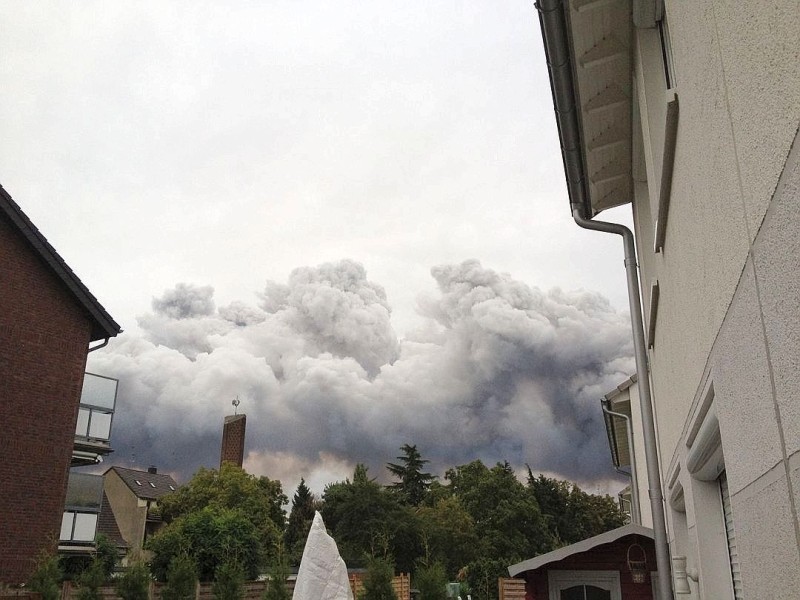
[(98, 399), (93, 427)]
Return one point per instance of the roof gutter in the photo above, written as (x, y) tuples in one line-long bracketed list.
[(553, 17)]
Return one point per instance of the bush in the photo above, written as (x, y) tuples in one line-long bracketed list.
[(45, 578), (134, 584), (276, 587), (73, 567), (91, 579), (378, 580), (228, 581), (431, 581), (181, 579)]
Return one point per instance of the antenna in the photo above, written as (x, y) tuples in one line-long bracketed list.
[(236, 403)]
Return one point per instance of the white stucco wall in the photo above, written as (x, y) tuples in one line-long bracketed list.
[(729, 278)]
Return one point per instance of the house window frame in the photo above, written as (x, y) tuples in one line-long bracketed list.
[(608, 580), (73, 514)]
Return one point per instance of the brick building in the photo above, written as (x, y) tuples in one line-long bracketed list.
[(233, 432), (48, 318)]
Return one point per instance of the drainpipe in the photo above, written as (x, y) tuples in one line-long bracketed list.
[(643, 378), (636, 513), (553, 18), (93, 348)]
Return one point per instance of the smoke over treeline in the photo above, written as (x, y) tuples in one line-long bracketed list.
[(499, 371)]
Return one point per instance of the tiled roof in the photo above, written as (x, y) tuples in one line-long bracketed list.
[(107, 525), (148, 486), (103, 325)]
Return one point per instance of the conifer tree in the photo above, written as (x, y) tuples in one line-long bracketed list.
[(413, 483)]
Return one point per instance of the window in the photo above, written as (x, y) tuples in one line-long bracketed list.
[(666, 52), (730, 536), (584, 585), (78, 527), (715, 553), (152, 485), (137, 482)]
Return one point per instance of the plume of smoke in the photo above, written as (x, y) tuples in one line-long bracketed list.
[(501, 371)]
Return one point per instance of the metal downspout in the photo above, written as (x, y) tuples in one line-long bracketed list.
[(648, 423), (553, 18), (636, 513)]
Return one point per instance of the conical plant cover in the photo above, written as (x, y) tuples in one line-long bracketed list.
[(322, 574)]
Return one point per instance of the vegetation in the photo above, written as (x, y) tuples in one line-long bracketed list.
[(367, 520), (413, 484), (134, 583), (229, 581), (378, 580), (181, 579), (91, 579), (431, 581), (276, 587), (220, 516), (46, 577), (105, 552), (304, 505), (470, 525)]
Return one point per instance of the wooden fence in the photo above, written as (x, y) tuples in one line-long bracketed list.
[(511, 589), (253, 590)]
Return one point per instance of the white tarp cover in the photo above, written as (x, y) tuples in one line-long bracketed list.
[(322, 574)]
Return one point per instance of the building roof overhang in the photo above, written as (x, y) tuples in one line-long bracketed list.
[(103, 325), (589, 59), (556, 555), (615, 428)]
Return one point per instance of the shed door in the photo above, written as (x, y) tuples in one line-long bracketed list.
[(584, 585)]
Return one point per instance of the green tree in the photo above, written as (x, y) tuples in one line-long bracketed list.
[(431, 581), (211, 537), (229, 581), (260, 499), (276, 587), (482, 576), (378, 580), (507, 518), (181, 579), (447, 534), (573, 515), (45, 578), (413, 483), (304, 505), (365, 519), (91, 579), (134, 583)]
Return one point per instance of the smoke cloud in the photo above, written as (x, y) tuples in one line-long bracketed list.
[(499, 371)]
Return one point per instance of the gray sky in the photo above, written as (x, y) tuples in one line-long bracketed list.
[(226, 144)]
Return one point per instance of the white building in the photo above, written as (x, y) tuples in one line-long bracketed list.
[(627, 447), (688, 110)]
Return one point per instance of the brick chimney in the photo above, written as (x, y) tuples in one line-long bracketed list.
[(233, 440), (152, 470)]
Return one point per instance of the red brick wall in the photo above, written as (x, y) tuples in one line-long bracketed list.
[(608, 557), (233, 440), (44, 335)]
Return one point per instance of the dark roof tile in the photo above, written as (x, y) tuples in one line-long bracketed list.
[(148, 486)]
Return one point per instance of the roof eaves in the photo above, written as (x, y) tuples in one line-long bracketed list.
[(556, 555), (103, 325)]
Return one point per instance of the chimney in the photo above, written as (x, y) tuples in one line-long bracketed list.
[(152, 470), (233, 440)]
